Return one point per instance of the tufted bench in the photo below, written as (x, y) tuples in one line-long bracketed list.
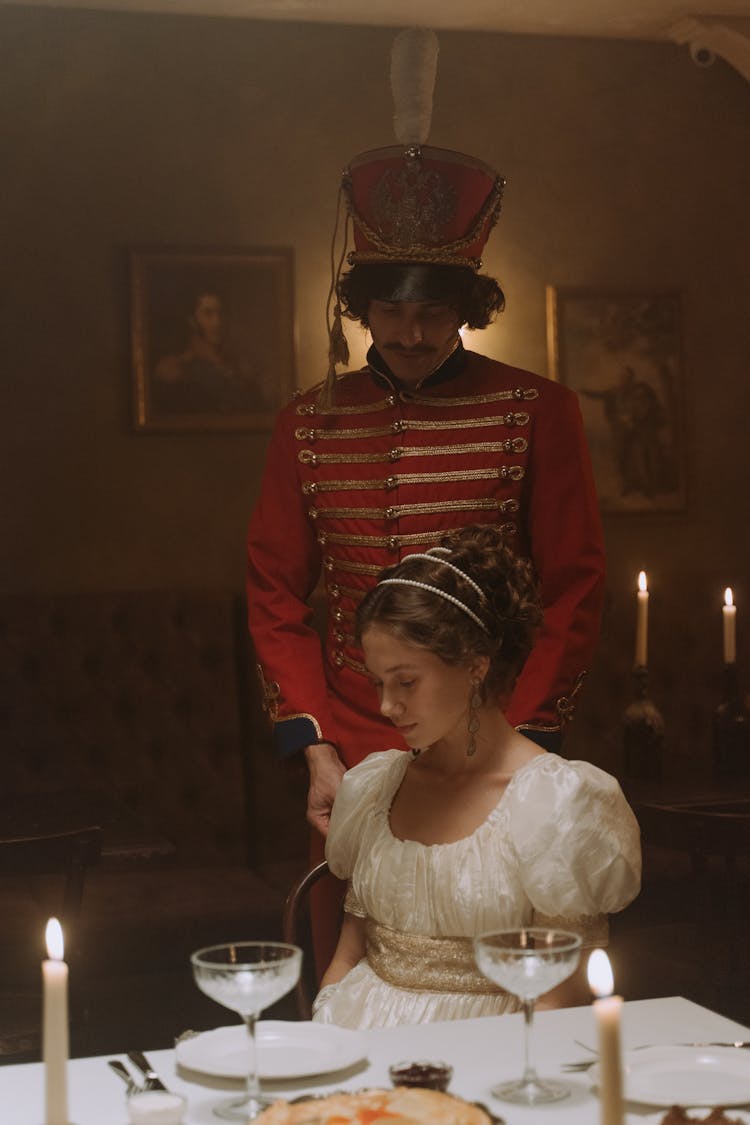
[(148, 697)]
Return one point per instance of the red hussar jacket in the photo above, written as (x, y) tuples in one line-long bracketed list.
[(387, 471)]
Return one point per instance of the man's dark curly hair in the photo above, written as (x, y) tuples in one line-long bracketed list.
[(476, 298)]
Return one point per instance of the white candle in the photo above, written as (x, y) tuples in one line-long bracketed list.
[(55, 1027), (641, 625), (607, 1009), (729, 614)]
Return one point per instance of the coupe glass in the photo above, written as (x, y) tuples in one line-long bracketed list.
[(247, 976), (528, 963)]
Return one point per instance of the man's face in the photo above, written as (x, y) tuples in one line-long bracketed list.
[(413, 337), (207, 318)]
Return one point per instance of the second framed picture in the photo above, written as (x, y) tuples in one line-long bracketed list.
[(212, 337), (622, 353)]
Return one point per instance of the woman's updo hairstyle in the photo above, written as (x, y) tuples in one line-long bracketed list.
[(507, 604)]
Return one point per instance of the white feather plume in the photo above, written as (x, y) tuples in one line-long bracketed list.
[(413, 69)]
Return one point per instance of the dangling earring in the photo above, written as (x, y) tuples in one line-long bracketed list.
[(474, 704)]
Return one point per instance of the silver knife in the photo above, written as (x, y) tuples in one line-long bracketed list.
[(735, 1043), (703, 1043), (153, 1081)]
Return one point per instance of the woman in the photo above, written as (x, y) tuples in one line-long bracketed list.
[(477, 828)]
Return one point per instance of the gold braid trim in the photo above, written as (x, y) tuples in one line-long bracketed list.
[(447, 254), (521, 419), (355, 665), (397, 480), (510, 445), (302, 433), (413, 254), (520, 394), (395, 542), (392, 541), (331, 564), (314, 408), (425, 964), (398, 511)]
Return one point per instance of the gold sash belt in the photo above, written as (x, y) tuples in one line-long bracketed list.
[(425, 964)]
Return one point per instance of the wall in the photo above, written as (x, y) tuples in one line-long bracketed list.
[(627, 165)]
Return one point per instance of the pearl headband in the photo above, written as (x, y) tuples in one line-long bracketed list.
[(433, 555), (435, 590)]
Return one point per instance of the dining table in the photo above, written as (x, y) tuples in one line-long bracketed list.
[(482, 1052)]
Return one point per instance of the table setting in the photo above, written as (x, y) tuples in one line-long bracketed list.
[(611, 1062)]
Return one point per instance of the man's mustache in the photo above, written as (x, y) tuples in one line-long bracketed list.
[(418, 349)]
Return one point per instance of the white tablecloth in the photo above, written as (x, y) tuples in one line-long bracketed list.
[(482, 1051)]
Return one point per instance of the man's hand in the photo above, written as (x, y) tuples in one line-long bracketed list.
[(326, 770)]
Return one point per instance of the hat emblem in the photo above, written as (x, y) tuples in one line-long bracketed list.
[(412, 206)]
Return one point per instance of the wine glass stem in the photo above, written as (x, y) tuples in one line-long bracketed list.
[(529, 1073), (253, 1085)]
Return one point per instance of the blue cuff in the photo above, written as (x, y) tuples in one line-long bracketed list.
[(292, 735)]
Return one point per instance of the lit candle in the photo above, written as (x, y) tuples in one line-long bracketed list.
[(607, 1009), (729, 614), (55, 1027), (641, 625)]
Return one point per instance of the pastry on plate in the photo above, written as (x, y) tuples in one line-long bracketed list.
[(402, 1106), (677, 1115)]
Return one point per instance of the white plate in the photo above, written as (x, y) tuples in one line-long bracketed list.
[(285, 1050), (689, 1076)]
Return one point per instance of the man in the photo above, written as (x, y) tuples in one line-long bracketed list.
[(205, 377), (426, 438)]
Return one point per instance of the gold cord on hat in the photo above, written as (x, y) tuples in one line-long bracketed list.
[(338, 348)]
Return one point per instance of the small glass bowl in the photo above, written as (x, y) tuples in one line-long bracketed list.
[(421, 1072), (156, 1107)]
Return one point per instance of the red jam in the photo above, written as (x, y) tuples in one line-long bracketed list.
[(427, 1075)]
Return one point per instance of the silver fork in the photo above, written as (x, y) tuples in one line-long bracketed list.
[(122, 1072)]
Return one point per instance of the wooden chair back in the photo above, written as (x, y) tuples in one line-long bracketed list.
[(296, 929)]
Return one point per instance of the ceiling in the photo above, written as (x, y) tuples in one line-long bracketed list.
[(608, 19)]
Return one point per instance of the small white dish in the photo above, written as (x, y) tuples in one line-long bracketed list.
[(690, 1076), (156, 1107)]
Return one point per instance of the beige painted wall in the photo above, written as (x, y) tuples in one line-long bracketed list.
[(627, 165)]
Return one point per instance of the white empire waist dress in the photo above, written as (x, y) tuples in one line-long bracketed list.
[(562, 845)]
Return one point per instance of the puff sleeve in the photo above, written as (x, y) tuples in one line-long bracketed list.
[(576, 839), (361, 792)]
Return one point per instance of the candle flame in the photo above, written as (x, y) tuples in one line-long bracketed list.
[(54, 937), (642, 581), (599, 973), (728, 598)]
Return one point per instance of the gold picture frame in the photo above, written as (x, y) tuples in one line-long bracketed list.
[(621, 351), (212, 336)]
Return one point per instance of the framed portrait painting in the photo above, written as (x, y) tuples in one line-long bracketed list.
[(212, 337), (622, 353)]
